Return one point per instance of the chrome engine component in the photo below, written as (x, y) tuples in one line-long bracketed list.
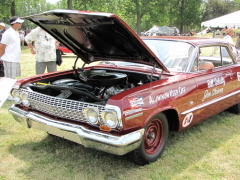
[(109, 92), (91, 86)]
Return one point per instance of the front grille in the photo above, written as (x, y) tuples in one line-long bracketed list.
[(59, 107)]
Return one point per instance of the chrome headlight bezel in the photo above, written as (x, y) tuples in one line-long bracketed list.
[(110, 118), (92, 115), (101, 117), (118, 112), (24, 99), (16, 96)]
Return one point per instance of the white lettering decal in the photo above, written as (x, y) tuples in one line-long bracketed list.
[(166, 95), (206, 95), (216, 82), (217, 91), (214, 92)]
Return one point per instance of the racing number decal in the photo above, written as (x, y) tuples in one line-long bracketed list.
[(187, 120)]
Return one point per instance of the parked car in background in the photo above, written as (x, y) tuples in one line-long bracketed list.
[(142, 87), (64, 50)]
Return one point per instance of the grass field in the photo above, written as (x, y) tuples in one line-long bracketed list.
[(208, 150)]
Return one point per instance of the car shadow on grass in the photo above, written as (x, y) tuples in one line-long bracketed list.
[(74, 161), (68, 156)]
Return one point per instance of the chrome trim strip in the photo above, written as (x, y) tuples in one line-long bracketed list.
[(118, 145), (134, 116), (209, 103)]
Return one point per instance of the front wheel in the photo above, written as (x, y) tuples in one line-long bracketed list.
[(154, 141)]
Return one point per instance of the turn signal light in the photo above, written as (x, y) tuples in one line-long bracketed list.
[(105, 128)]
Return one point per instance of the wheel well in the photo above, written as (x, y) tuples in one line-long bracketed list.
[(172, 118)]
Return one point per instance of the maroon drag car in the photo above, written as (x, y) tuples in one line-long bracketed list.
[(130, 91)]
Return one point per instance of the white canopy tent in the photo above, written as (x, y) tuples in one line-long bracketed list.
[(229, 20), (157, 30)]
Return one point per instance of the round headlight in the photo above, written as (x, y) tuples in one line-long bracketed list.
[(16, 96), (91, 115), (111, 119), (24, 99)]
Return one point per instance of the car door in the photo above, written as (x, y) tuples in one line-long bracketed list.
[(235, 69), (215, 82)]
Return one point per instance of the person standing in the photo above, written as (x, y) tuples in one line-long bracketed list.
[(44, 48), (228, 36), (10, 49), (2, 30), (237, 46), (176, 31), (21, 35)]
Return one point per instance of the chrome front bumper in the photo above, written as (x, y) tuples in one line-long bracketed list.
[(118, 145)]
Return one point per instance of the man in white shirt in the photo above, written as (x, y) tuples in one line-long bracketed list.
[(228, 38), (44, 48), (10, 49), (229, 34)]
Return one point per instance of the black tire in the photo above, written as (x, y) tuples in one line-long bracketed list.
[(153, 142), (235, 109)]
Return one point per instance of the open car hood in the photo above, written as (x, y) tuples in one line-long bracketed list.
[(96, 36)]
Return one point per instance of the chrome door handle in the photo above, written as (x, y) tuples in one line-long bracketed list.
[(229, 74)]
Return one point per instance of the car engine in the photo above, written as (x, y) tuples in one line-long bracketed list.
[(92, 86)]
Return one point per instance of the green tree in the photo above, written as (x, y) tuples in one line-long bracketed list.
[(139, 14), (84, 5), (22, 8), (69, 4), (5, 10), (137, 11), (215, 8), (184, 13)]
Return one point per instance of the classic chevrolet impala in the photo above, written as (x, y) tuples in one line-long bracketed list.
[(130, 91)]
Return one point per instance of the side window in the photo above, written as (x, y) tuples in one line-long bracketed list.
[(226, 58), (211, 57)]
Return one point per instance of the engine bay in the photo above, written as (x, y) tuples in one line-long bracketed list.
[(92, 86)]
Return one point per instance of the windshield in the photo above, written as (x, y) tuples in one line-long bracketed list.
[(173, 54)]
